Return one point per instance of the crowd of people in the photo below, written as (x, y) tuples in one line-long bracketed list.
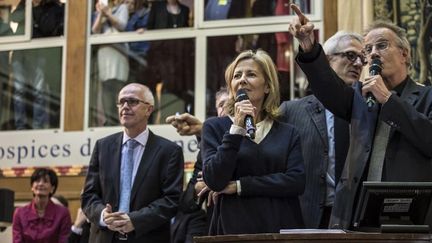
[(143, 62), (262, 166), (36, 90), (116, 64)]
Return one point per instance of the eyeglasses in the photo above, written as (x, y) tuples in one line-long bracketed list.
[(130, 101), (352, 56), (379, 46)]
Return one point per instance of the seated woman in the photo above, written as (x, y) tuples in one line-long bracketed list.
[(257, 181), (41, 220)]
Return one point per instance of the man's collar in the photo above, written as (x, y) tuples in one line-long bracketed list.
[(141, 138), (400, 87)]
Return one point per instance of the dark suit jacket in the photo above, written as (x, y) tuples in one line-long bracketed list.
[(155, 191), (191, 220), (408, 156), (83, 237), (308, 116)]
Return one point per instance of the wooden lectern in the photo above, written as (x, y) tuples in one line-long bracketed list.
[(317, 237)]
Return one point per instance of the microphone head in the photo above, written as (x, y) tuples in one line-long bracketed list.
[(375, 66), (241, 95)]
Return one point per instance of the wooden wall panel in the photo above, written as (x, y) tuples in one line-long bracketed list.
[(75, 65), (330, 13)]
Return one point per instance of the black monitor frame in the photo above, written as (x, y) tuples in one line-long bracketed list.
[(393, 206)]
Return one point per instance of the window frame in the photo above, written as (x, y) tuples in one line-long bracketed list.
[(27, 29), (40, 43), (316, 15), (200, 32)]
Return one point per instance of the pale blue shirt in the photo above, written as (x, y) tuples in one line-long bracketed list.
[(330, 175)]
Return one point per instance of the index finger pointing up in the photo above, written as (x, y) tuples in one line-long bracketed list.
[(299, 13)]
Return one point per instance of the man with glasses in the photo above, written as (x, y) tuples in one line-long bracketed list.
[(390, 141), (134, 178), (325, 138)]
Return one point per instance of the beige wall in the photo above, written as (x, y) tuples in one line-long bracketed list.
[(356, 15)]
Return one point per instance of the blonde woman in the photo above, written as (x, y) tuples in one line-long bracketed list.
[(256, 181)]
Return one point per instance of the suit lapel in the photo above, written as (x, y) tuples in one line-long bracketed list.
[(341, 136), (410, 94), (147, 160), (115, 163), (316, 112)]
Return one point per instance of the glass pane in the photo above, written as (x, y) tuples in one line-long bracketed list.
[(166, 67), (169, 14), (301, 84), (48, 18), (140, 15), (30, 88), (12, 17), (222, 50), (234, 9)]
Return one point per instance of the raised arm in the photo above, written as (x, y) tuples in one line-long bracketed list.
[(302, 29)]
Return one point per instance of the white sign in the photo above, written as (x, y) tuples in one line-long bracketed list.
[(54, 148)]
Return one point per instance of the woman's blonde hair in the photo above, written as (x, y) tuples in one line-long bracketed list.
[(272, 99)]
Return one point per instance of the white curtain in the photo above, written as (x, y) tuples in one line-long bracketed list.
[(354, 15)]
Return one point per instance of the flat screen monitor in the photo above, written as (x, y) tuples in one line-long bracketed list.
[(393, 207)]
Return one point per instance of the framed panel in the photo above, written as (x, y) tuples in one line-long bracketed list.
[(140, 16), (15, 24), (203, 88), (226, 13), (31, 84), (32, 68), (165, 66)]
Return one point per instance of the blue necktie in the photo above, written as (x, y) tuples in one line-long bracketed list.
[(126, 175)]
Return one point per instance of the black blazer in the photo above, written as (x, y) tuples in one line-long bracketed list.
[(408, 156), (308, 116), (155, 191)]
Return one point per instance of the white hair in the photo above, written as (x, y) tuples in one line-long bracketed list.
[(331, 45)]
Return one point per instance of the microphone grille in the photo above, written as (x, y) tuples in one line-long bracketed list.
[(375, 65), (241, 95)]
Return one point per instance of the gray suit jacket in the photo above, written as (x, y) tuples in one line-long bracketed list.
[(408, 156), (155, 190), (308, 116)]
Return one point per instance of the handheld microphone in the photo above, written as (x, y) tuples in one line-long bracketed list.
[(249, 122), (374, 69)]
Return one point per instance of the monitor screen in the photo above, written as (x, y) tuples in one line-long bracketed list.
[(393, 204)]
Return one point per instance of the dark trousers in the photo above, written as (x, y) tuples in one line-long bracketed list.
[(325, 218)]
